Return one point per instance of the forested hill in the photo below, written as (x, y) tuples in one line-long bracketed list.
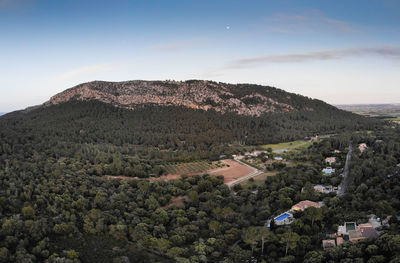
[(192, 115), (172, 127), (243, 99)]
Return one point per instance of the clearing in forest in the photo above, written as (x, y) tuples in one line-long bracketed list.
[(259, 179), (286, 146), (233, 171), (192, 167)]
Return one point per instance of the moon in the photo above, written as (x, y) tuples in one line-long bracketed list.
[(228, 27)]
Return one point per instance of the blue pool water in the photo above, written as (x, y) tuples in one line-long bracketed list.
[(282, 217)]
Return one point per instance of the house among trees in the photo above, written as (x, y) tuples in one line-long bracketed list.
[(284, 219), (315, 138), (357, 233), (362, 147), (355, 236), (254, 153), (319, 188), (329, 243), (303, 205), (328, 170), (344, 229), (364, 231), (325, 189), (330, 160)]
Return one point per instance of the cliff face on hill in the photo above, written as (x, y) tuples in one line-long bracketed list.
[(243, 99)]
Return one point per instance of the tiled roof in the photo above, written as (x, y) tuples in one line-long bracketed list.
[(339, 241), (303, 205), (355, 234), (328, 243), (368, 232)]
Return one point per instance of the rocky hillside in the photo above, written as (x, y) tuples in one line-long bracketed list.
[(244, 99)]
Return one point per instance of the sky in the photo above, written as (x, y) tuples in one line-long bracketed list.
[(342, 52)]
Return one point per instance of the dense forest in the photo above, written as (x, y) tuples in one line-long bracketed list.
[(140, 142), (56, 214), (56, 207)]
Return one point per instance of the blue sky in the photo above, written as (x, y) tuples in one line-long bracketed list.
[(339, 51)]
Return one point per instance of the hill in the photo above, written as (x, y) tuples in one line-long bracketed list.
[(142, 140), (58, 203), (191, 115), (243, 99)]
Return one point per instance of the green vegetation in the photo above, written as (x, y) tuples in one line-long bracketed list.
[(192, 167), (105, 140), (69, 215), (289, 146), (252, 165), (286, 145), (56, 206), (257, 180)]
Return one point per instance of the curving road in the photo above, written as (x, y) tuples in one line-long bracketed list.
[(343, 185)]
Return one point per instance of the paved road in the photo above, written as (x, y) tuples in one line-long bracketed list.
[(255, 172), (345, 181)]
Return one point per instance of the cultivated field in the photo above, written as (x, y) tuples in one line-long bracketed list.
[(259, 179), (192, 167), (235, 171)]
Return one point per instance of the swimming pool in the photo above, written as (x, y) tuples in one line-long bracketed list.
[(328, 170), (282, 217)]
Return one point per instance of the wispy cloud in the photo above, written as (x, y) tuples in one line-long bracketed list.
[(178, 46), (169, 47), (307, 22), (84, 71), (387, 52)]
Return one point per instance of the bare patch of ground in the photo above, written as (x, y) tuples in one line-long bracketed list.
[(235, 171)]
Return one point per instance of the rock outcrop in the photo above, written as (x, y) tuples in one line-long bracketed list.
[(244, 99)]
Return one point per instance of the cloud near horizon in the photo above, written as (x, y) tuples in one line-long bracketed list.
[(386, 52), (168, 47), (84, 71)]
